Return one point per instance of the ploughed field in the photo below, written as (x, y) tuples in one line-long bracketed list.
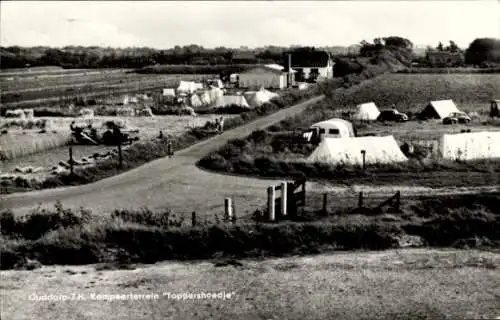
[(60, 88)]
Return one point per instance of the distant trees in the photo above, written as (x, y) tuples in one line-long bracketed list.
[(483, 51)]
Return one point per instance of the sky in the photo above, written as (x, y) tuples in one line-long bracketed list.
[(164, 24)]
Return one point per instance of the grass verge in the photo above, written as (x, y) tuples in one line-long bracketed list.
[(63, 236)]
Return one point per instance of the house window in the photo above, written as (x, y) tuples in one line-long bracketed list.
[(333, 131)]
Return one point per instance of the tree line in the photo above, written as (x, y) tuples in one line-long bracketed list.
[(481, 51)]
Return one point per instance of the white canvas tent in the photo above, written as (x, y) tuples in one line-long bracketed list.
[(195, 101), (366, 111), (347, 151), (169, 92), (225, 101), (17, 113), (205, 98), (215, 93), (439, 109), (470, 146), (334, 128), (186, 86), (258, 98)]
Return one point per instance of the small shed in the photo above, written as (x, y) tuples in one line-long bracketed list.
[(262, 76)]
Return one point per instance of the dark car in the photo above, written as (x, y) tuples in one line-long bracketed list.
[(456, 117), (392, 115)]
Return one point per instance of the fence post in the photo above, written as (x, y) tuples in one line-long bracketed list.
[(325, 199), (71, 160), (193, 218), (363, 153), (398, 200), (169, 149), (284, 198), (304, 190), (271, 195), (234, 212), (360, 200), (228, 210), (120, 156)]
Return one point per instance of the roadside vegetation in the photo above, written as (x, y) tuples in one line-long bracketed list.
[(63, 236)]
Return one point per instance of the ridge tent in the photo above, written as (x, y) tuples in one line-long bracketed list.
[(215, 93), (205, 98), (438, 109), (470, 146), (347, 151), (366, 111), (335, 128), (226, 101)]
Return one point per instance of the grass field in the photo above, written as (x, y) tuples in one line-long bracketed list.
[(267, 155), (149, 128)]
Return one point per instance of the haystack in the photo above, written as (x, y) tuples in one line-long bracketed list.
[(145, 112), (347, 151)]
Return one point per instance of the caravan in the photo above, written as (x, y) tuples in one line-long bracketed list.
[(333, 128)]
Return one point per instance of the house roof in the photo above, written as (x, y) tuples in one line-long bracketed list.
[(312, 59), (263, 68)]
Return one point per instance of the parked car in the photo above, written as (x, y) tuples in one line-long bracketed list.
[(392, 115), (456, 117)]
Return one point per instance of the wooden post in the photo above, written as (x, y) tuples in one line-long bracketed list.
[(304, 191), (284, 198), (363, 153), (233, 219), (120, 156), (193, 218), (71, 160), (325, 199), (398, 200), (228, 210), (271, 195), (360, 200)]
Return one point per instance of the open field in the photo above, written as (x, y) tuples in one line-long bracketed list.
[(61, 89), (393, 284), (149, 128)]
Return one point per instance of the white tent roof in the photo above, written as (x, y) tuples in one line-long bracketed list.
[(187, 86), (366, 111), (215, 93), (444, 107), (224, 101), (344, 126), (470, 146), (258, 98), (195, 101), (170, 92), (205, 97), (348, 151)]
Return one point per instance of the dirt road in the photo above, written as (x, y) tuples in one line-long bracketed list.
[(176, 182)]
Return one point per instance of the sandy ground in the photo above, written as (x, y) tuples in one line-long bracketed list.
[(395, 284)]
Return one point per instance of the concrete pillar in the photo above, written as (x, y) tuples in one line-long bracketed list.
[(271, 196), (284, 198)]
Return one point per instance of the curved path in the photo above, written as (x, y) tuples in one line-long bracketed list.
[(176, 182)]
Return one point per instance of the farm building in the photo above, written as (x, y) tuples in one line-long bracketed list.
[(438, 109), (258, 98), (333, 128), (226, 101), (470, 146), (348, 151), (366, 112), (169, 92), (262, 76), (445, 58), (311, 65)]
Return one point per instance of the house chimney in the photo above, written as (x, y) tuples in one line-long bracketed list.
[(289, 70)]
